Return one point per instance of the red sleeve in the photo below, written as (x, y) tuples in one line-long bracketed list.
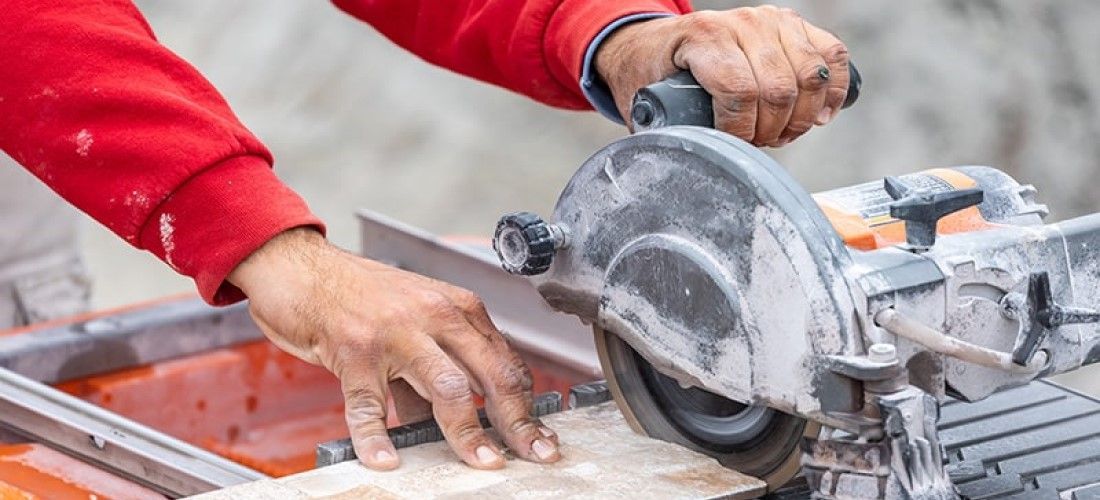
[(534, 47), (131, 134)]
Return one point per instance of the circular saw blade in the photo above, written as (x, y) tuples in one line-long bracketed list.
[(753, 440)]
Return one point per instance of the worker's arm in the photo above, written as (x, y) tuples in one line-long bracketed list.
[(135, 137), (534, 47), (772, 74)]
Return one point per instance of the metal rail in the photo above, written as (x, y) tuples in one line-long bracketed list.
[(125, 340), (111, 441), (514, 304)]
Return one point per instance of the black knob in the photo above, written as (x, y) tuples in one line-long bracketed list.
[(922, 209), (525, 243), (1044, 315)]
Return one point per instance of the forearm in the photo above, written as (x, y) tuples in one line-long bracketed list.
[(134, 136), (534, 47)]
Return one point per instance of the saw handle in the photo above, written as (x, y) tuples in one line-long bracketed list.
[(680, 100)]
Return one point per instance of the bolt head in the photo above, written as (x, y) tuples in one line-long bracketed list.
[(882, 353)]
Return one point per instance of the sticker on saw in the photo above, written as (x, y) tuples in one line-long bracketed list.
[(861, 213)]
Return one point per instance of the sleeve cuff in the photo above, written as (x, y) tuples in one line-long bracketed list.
[(219, 217), (593, 87), (576, 23)]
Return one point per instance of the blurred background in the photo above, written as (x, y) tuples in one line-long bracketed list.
[(356, 122)]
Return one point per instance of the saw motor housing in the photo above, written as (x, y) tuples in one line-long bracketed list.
[(706, 257)]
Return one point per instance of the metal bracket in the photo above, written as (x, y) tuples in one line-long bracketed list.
[(427, 431)]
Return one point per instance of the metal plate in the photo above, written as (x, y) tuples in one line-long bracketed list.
[(515, 306), (1039, 441)]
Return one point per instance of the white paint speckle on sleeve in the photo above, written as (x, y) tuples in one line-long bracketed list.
[(84, 142), (167, 229)]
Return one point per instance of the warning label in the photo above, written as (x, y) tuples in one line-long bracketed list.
[(872, 202)]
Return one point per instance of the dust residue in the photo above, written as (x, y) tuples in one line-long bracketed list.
[(83, 140), (167, 230), (136, 199)]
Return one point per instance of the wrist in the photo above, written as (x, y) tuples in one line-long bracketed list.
[(275, 259), (611, 57)]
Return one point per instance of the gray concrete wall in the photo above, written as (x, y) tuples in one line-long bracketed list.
[(356, 122)]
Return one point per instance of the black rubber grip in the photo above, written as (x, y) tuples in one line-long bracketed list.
[(680, 100)]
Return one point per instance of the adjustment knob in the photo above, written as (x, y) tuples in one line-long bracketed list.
[(922, 209), (525, 243), (1043, 315)]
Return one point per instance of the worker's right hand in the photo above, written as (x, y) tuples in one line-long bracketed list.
[(772, 74), (371, 324)]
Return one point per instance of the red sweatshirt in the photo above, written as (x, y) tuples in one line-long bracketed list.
[(134, 136)]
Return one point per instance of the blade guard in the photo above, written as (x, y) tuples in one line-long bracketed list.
[(706, 257)]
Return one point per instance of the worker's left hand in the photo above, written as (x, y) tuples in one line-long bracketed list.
[(383, 330), (773, 76)]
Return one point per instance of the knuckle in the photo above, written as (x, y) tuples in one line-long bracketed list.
[(742, 92), (515, 378), (433, 300), (364, 402), (467, 433), (702, 23), (797, 127), (747, 15), (779, 93), (357, 351), (836, 54), (789, 13), (451, 386), (809, 77), (768, 8), (523, 425), (469, 302)]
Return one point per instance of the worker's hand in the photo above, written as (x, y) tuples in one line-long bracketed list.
[(773, 75), (371, 324)]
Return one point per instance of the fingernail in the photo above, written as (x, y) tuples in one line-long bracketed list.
[(486, 455), (782, 142), (384, 456), (824, 116), (543, 450), (546, 432)]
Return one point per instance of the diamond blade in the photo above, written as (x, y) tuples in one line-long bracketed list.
[(753, 440)]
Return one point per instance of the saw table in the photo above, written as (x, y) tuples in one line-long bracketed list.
[(1007, 446), (1038, 441), (603, 458)]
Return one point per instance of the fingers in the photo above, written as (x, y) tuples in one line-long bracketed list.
[(811, 73), (508, 395), (504, 378), (365, 412), (778, 88), (724, 71), (835, 54), (772, 75), (436, 377)]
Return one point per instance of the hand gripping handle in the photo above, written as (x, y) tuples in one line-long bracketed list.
[(680, 100)]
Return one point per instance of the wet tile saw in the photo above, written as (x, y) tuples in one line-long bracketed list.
[(778, 330)]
